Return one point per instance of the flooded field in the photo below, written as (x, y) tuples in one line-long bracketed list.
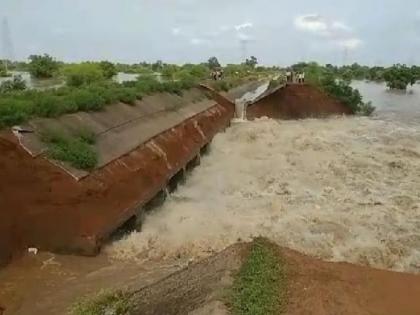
[(342, 189), (42, 84)]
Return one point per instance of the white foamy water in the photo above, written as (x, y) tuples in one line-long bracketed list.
[(248, 98), (342, 189)]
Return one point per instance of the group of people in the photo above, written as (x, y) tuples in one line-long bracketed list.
[(295, 77), (217, 74)]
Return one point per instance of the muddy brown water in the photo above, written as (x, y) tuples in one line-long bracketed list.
[(341, 189)]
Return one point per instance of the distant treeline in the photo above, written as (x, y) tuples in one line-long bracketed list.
[(398, 76)]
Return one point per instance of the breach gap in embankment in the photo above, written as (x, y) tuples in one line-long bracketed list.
[(144, 151)]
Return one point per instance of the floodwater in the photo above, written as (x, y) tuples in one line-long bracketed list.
[(125, 77), (342, 189), (248, 98), (42, 84), (33, 83), (394, 106)]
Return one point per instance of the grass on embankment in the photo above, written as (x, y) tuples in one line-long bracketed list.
[(19, 106), (16, 107), (77, 150), (260, 287), (105, 302)]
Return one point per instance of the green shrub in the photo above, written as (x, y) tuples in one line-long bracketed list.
[(42, 66), (18, 106), (87, 100), (75, 150), (127, 95), (222, 86), (342, 91), (48, 106), (13, 111), (173, 87), (108, 92), (87, 136), (366, 109), (108, 69), (399, 77), (147, 84), (83, 74)]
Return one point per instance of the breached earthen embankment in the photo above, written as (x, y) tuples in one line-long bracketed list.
[(46, 208), (144, 150), (296, 101)]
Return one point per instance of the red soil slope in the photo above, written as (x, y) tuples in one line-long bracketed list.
[(41, 206), (318, 288), (296, 101)]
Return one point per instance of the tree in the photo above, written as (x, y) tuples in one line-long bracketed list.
[(345, 93), (376, 74), (157, 66), (83, 74), (108, 69), (42, 66), (169, 71), (199, 71), (251, 62), (213, 63), (399, 76), (416, 72)]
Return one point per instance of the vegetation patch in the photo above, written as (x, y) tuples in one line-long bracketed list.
[(104, 303), (19, 106), (42, 66), (77, 150), (341, 90), (260, 288), (15, 84), (274, 83), (398, 77), (89, 85), (83, 74)]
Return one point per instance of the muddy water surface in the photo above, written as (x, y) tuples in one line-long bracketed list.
[(343, 189)]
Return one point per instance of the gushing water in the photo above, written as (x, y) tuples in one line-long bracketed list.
[(247, 98), (342, 189)]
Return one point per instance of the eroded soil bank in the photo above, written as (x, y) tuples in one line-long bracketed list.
[(39, 200), (296, 101), (311, 287)]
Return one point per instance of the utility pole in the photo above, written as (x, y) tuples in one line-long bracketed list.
[(244, 48), (345, 56), (7, 45)]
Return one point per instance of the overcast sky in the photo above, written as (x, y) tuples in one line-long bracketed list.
[(275, 31)]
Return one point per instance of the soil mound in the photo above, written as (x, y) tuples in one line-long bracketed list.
[(295, 102), (197, 289), (314, 287), (317, 287)]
